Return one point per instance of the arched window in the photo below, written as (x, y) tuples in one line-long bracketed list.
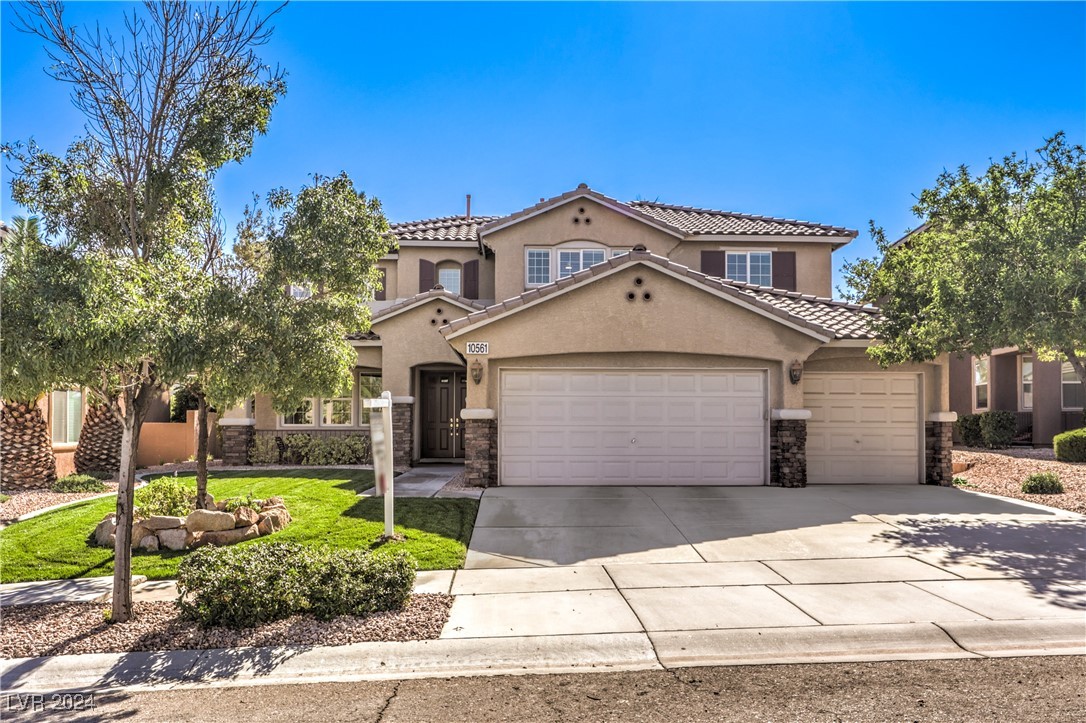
[(449, 275)]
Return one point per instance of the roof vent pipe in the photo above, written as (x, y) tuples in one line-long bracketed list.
[(469, 206)]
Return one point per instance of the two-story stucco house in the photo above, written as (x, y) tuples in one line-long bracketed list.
[(584, 340)]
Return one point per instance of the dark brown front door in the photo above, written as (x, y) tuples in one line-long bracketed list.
[(443, 396)]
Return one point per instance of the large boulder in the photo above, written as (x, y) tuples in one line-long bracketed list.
[(245, 517), (229, 537), (163, 522), (139, 532), (273, 520), (175, 539), (149, 543), (105, 532), (209, 521)]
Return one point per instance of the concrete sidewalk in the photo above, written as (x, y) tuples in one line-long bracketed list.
[(429, 480)]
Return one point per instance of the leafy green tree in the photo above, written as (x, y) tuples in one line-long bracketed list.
[(167, 102), (1000, 260)]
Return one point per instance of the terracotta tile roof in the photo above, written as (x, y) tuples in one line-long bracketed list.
[(363, 336), (704, 221), (826, 317), (447, 228), (438, 292)]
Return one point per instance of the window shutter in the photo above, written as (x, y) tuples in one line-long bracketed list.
[(712, 263), (380, 295), (427, 274), (471, 279), (784, 270)]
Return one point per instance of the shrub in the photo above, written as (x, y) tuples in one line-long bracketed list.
[(244, 586), (322, 451), (968, 428), (4, 498), (265, 450), (232, 504), (1070, 446), (1043, 483), (297, 448), (247, 585), (182, 399), (78, 483), (998, 428), (358, 582), (167, 496)]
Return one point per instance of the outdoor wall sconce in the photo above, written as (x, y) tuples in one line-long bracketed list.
[(476, 371), (795, 372)]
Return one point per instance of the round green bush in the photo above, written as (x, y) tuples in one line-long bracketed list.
[(968, 428), (1070, 446), (167, 496), (997, 428), (357, 582), (78, 483), (1043, 483)]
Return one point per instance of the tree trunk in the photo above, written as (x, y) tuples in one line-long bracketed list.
[(201, 452), (122, 549), (99, 448), (28, 461)]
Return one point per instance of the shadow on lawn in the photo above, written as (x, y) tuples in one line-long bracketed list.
[(452, 518)]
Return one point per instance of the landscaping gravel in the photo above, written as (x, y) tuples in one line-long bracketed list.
[(23, 502), (457, 483), (1002, 473), (76, 628)]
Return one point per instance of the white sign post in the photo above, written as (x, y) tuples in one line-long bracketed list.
[(381, 442)]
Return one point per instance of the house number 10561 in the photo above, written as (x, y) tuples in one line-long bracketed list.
[(478, 347)]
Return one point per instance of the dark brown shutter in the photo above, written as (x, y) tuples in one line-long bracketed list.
[(784, 270), (427, 275), (471, 279), (380, 295), (712, 263)]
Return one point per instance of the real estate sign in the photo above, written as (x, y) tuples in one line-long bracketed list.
[(381, 443)]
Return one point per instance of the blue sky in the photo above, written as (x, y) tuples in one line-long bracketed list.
[(836, 113)]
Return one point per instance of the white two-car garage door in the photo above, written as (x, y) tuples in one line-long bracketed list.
[(864, 428), (564, 427)]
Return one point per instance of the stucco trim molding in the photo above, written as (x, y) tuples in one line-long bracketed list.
[(790, 414), (236, 422), (478, 414), (943, 417), (403, 400)]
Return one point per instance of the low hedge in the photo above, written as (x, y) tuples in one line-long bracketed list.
[(994, 430), (1070, 446), (968, 428), (247, 585), (78, 483), (312, 450)]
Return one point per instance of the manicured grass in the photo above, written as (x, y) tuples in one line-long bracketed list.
[(323, 502)]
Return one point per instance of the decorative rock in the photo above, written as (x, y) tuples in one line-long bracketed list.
[(139, 532), (209, 502), (175, 539), (161, 522), (245, 517), (271, 502), (208, 520), (104, 533), (229, 537), (273, 520), (149, 543), (192, 539)]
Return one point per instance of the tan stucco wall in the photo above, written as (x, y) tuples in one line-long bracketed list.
[(369, 357), (596, 322), (408, 268), (845, 359), (814, 261), (409, 339), (555, 227)]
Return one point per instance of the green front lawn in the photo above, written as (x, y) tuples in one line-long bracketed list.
[(324, 504)]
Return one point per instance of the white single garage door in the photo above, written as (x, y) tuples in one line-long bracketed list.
[(864, 428), (565, 427)]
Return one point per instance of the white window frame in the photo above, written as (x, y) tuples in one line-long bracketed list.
[(459, 278), (1023, 360), (314, 406), (362, 419), (554, 254), (52, 416), (332, 425), (1066, 368), (988, 383), (528, 283), (301, 292), (580, 252), (728, 254)]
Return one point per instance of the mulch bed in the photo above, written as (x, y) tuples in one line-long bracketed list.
[(23, 502), (75, 628), (1002, 472)]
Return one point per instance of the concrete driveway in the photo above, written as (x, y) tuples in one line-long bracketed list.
[(711, 573)]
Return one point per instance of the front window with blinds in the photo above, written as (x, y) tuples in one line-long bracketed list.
[(570, 262), (980, 383), (66, 415), (1073, 394), (300, 417), (337, 412)]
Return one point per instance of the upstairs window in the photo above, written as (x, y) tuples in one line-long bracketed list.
[(980, 383), (754, 267), (449, 277), (539, 267), (66, 415), (1074, 397), (572, 261)]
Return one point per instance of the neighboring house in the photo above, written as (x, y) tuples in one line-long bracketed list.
[(1047, 396), (584, 340)]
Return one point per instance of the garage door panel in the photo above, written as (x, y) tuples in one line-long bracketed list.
[(635, 427), (864, 428)]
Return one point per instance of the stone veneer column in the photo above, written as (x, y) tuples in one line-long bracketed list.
[(480, 447), (403, 431), (788, 447), (237, 439), (938, 444)]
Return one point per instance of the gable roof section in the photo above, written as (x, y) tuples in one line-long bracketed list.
[(447, 228), (438, 292), (824, 319), (708, 222), (582, 191)]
